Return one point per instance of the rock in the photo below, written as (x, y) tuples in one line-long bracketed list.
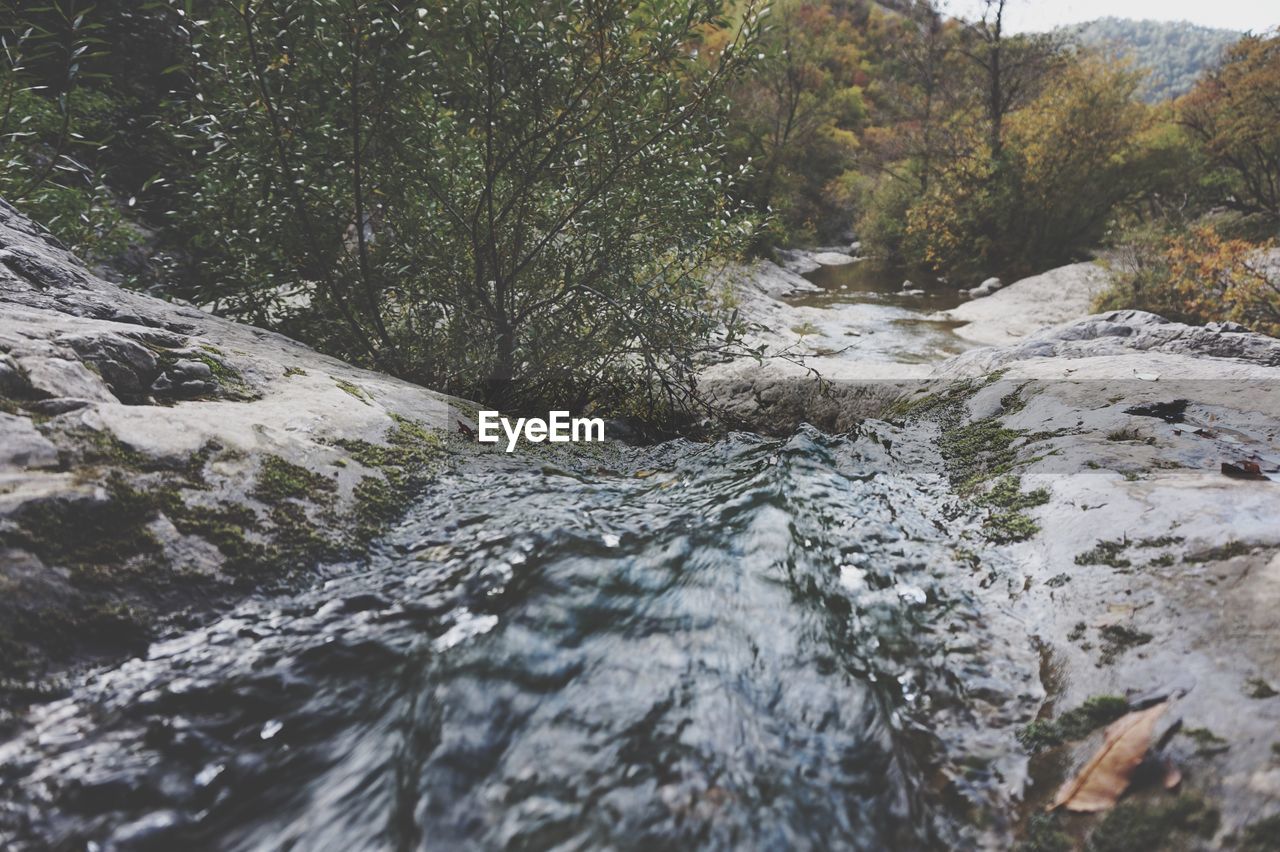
[(58, 405), (986, 288), (13, 381), (84, 446), (1026, 306), (155, 831), (128, 367), (908, 285), (833, 258), (796, 261), (62, 377), (187, 369), (855, 248), (23, 446)]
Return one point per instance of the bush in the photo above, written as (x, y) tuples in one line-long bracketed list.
[(512, 206), (1197, 277), (52, 124)]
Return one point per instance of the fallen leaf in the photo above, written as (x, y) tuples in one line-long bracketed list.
[(1103, 780), (1172, 775), (1242, 470)]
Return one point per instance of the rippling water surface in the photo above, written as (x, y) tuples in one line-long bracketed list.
[(743, 645)]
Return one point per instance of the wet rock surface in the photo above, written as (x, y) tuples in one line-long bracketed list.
[(134, 436), (903, 638), (745, 644)]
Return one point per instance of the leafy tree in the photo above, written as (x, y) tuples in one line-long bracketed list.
[(1234, 113), (795, 117), (1008, 69), (53, 122), (507, 199), (1068, 157)]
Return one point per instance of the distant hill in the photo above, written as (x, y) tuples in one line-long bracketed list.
[(1175, 53)]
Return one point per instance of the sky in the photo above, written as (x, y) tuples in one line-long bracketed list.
[(1039, 15)]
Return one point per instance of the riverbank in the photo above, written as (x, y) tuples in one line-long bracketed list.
[(158, 462), (833, 357), (1130, 467), (1101, 493), (1030, 304)]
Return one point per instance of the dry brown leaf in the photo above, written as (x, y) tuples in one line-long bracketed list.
[(1106, 776)]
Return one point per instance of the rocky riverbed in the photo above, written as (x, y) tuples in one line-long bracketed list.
[(1009, 548)]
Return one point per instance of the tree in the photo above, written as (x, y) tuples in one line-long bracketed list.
[(507, 199), (53, 122), (1234, 113), (1069, 157), (794, 119), (1009, 69)]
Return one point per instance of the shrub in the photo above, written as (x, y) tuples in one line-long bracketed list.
[(509, 201), (1197, 277)]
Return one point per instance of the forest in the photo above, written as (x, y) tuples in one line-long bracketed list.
[(518, 201)]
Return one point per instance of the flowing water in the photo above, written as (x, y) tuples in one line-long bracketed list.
[(864, 304), (749, 644)]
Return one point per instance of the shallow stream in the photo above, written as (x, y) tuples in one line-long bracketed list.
[(750, 644)]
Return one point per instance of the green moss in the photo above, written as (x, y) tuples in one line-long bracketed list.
[(1007, 493), (294, 371), (1074, 724), (1106, 553), (411, 455), (283, 480), (1116, 639), (1164, 560), (299, 537), (95, 541), (378, 503), (1058, 581), (1217, 554), (1129, 435), (1207, 742), (1136, 826), (1077, 632), (978, 451), (1044, 834), (1262, 836), (1011, 525), (1256, 687), (352, 389), (1008, 527)]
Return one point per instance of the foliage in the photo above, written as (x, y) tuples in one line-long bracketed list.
[(507, 200), (51, 123), (1066, 159), (1171, 54), (1199, 276), (1234, 113), (795, 119)]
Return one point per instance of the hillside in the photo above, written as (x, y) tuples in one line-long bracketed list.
[(1175, 53)]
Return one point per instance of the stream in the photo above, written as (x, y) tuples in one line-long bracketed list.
[(863, 305), (749, 644)]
